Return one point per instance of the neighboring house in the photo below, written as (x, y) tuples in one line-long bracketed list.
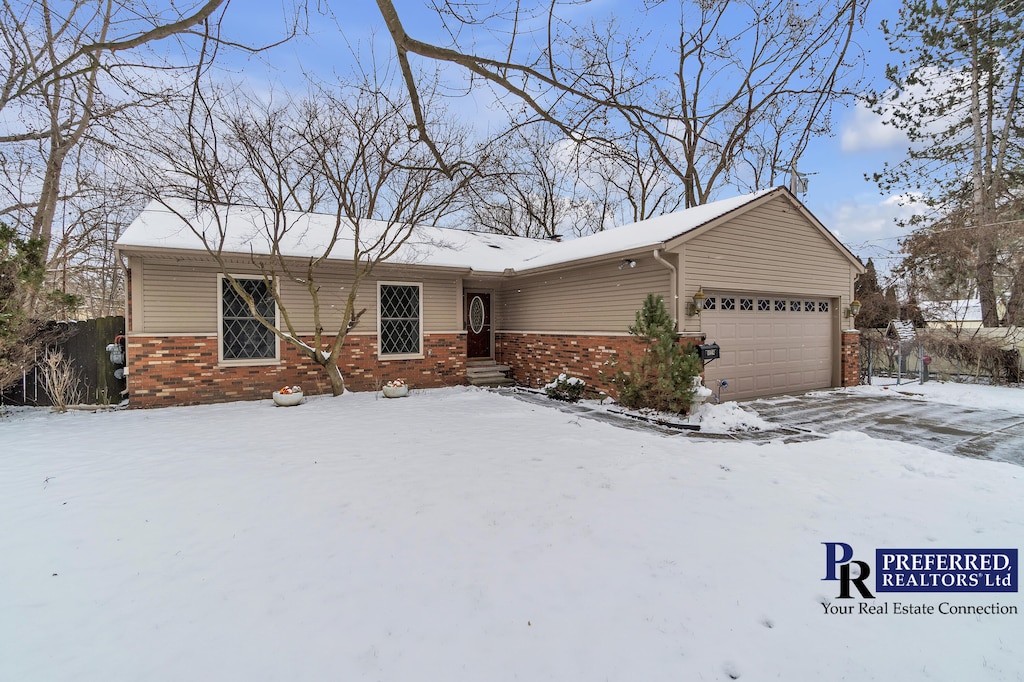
[(777, 283), (956, 314)]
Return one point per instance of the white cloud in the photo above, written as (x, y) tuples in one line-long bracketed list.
[(866, 130), (869, 227)]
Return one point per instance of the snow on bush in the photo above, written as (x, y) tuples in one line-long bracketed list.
[(565, 387)]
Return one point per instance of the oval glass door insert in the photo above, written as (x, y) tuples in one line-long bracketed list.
[(476, 315)]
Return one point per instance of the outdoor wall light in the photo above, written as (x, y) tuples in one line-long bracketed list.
[(627, 263), (854, 308), (693, 309)]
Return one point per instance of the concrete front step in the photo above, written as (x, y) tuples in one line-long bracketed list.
[(483, 370), (491, 381), (487, 372)]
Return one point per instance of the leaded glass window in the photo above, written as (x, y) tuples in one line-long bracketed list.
[(243, 337), (399, 319)]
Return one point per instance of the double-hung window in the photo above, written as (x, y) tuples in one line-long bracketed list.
[(242, 336), (400, 316)]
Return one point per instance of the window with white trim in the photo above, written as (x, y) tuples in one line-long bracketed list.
[(242, 335), (400, 314)]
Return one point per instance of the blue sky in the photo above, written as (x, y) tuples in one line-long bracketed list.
[(838, 194)]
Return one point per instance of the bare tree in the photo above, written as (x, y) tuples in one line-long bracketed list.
[(753, 81), (72, 76), (345, 153), (628, 178), (530, 186), (66, 67)]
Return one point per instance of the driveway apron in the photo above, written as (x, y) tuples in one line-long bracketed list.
[(954, 429)]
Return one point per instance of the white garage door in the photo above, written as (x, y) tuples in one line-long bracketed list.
[(770, 344)]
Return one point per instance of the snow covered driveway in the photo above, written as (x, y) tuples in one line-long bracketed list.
[(460, 535), (986, 429)]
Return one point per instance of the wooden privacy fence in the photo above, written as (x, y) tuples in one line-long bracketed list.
[(84, 346)]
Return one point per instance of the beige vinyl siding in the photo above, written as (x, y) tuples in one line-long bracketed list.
[(592, 298), (177, 298), (772, 248), (181, 297)]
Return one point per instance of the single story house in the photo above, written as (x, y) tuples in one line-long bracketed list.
[(776, 288)]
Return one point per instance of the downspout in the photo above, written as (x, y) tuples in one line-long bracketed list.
[(674, 279)]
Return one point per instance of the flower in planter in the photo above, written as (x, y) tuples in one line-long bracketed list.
[(395, 383), (288, 390)]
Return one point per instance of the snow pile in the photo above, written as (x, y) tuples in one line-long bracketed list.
[(948, 393), (461, 535), (729, 416)]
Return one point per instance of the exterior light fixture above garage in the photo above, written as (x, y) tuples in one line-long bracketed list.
[(693, 309)]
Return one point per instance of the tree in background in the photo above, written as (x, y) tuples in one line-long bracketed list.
[(877, 308), (751, 82), (73, 75), (534, 182), (529, 187), (26, 307), (956, 95)]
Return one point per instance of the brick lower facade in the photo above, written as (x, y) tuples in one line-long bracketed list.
[(537, 359), (851, 358), (183, 370)]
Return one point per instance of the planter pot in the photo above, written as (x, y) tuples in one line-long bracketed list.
[(287, 399), (395, 391)]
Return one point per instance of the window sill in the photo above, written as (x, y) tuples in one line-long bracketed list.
[(401, 356), (255, 362)]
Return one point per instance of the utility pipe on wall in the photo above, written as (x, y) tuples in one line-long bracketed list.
[(675, 288)]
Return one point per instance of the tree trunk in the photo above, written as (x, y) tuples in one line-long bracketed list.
[(980, 195), (1015, 306), (987, 254), (334, 374)]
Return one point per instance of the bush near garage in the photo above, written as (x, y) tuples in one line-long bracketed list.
[(661, 376)]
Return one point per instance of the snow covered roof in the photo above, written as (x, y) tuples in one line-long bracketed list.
[(902, 330), (177, 224), (962, 310)]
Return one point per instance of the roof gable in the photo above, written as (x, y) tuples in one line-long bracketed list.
[(761, 200)]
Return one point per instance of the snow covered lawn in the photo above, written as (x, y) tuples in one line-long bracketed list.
[(461, 535)]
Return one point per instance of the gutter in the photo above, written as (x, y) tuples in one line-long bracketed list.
[(674, 285)]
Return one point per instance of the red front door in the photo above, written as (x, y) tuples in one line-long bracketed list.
[(478, 325)]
